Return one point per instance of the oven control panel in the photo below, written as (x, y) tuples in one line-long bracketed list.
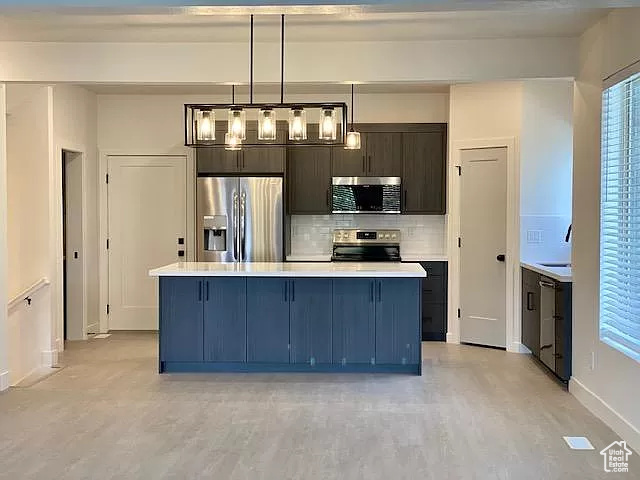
[(355, 236)]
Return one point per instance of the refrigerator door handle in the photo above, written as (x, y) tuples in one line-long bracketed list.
[(235, 226), (243, 226)]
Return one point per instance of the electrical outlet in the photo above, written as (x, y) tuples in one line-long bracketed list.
[(593, 360), (534, 237)]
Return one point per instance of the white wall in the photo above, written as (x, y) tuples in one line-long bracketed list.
[(144, 123), (546, 159), (4, 337), (486, 114), (28, 224), (75, 117), (611, 389), (374, 61)]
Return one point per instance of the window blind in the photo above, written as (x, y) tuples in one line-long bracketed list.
[(620, 217)]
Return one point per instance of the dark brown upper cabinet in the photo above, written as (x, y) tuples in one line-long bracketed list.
[(424, 163), (248, 160), (380, 155), (309, 180)]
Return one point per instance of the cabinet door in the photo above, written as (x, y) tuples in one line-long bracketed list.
[(262, 160), (349, 163), (353, 321), (181, 312), (216, 160), (310, 300), (531, 311), (268, 320), (398, 321), (309, 180), (434, 322), (563, 331), (225, 319), (384, 154), (423, 177)]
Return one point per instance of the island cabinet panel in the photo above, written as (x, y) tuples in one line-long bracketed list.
[(397, 340), (225, 319), (354, 340), (181, 319), (268, 320), (310, 320)]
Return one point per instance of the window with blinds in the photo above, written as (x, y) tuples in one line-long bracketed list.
[(620, 218)]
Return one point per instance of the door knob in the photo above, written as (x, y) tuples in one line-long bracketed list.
[(500, 257)]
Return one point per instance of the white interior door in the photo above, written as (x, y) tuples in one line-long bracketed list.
[(483, 232), (147, 216), (73, 253)]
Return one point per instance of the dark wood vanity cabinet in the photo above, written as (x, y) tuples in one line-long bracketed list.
[(531, 311), (309, 180)]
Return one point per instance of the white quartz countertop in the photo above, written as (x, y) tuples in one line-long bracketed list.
[(293, 269), (561, 274), (411, 257)]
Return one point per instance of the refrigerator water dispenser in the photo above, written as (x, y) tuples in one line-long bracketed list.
[(215, 233)]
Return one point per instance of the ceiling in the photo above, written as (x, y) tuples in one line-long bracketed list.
[(348, 24)]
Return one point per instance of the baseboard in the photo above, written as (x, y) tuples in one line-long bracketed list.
[(49, 358), (451, 338), (604, 412), (4, 381), (517, 347)]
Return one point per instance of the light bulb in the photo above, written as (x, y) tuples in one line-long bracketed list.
[(236, 128), (297, 124), (267, 126)]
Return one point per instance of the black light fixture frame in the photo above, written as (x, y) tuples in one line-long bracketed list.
[(190, 132)]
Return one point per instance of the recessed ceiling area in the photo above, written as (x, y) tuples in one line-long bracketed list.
[(359, 26), (266, 89)]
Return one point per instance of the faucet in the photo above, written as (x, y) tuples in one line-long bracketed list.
[(568, 236)]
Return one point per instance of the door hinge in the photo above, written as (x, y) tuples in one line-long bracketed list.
[(107, 309), (459, 313), (106, 180), (459, 167), (107, 244), (459, 242)]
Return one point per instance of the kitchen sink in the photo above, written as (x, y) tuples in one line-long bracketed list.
[(556, 265)]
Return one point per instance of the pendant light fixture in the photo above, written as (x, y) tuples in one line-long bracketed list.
[(267, 124), (200, 128), (353, 138), (328, 123), (205, 125), (236, 125)]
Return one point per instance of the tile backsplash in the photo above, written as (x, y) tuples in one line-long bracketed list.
[(420, 234), (542, 238)]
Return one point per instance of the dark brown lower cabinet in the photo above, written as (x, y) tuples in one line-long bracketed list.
[(531, 311)]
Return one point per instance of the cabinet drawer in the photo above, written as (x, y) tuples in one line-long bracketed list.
[(433, 289)]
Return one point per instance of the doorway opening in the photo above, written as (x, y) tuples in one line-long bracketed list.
[(72, 246)]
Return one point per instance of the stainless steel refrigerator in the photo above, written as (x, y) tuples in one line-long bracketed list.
[(239, 219)]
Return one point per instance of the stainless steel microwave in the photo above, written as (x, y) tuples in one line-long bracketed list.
[(366, 194)]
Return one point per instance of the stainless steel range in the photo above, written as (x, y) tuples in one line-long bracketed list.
[(353, 245)]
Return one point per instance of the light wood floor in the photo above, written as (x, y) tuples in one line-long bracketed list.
[(474, 414)]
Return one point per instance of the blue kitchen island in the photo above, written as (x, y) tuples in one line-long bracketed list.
[(290, 317)]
